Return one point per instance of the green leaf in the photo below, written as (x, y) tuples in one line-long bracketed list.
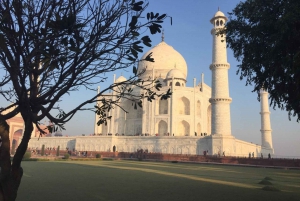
[(146, 39), (57, 16), (135, 106), (158, 86), (50, 129), (74, 49), (148, 57), (134, 33), (162, 17), (148, 44), (133, 22), (137, 6), (137, 48), (130, 58), (152, 15), (134, 52), (72, 43), (2, 42), (140, 103), (153, 30), (81, 39), (134, 70)]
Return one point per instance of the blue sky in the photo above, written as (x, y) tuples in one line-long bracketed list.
[(190, 36)]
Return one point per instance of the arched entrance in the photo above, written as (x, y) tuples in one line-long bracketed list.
[(162, 128), (198, 129), (183, 128), (183, 106)]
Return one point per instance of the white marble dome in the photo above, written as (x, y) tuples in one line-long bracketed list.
[(166, 58), (121, 79), (176, 74), (219, 14), (58, 134)]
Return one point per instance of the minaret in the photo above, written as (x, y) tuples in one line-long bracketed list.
[(266, 131), (220, 100), (112, 128), (97, 128)]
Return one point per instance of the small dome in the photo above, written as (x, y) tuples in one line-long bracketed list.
[(121, 79), (219, 14), (165, 58), (176, 74), (58, 134)]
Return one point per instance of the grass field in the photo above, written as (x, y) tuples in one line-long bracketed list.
[(151, 181)]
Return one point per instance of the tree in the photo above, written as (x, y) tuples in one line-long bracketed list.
[(52, 48), (265, 37)]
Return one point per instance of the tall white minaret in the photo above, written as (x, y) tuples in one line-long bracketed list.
[(220, 100), (97, 129), (266, 131)]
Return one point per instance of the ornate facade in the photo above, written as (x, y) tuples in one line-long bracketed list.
[(194, 119)]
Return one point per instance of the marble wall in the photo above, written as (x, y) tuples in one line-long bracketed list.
[(155, 144)]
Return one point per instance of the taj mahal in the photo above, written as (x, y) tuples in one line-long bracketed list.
[(195, 118)]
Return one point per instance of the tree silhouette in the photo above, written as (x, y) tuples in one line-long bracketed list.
[(52, 48)]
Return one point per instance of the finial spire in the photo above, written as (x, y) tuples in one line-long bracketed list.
[(218, 8), (163, 35)]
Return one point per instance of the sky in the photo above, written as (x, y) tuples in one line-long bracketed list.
[(190, 35)]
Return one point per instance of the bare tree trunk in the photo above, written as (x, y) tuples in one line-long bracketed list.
[(5, 163), (11, 173)]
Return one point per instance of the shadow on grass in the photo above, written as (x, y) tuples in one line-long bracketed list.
[(116, 181)]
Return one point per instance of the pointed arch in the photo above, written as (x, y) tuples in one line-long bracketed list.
[(183, 128), (104, 129), (162, 127), (183, 106), (163, 106), (132, 119), (199, 108), (198, 129), (132, 112)]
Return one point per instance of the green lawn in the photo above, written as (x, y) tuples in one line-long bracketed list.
[(151, 181)]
